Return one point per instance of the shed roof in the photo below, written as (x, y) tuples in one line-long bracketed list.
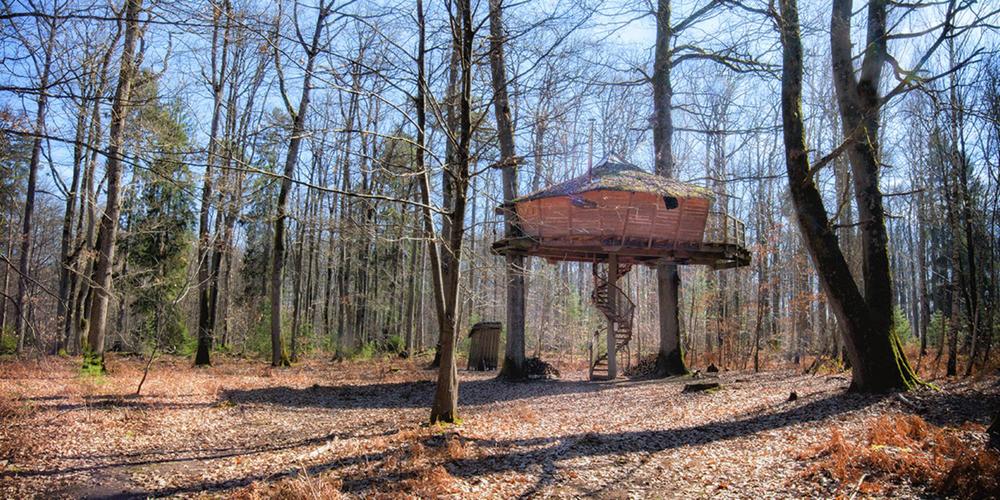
[(615, 174), (485, 325)]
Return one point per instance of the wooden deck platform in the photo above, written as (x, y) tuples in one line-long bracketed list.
[(715, 255)]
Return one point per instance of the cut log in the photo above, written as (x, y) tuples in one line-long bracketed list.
[(707, 386)]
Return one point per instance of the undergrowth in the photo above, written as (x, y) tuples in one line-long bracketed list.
[(901, 449)]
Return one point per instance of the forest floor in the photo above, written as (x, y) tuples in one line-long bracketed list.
[(322, 429)]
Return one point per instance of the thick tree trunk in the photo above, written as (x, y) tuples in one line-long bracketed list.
[(670, 356), (108, 231), (86, 224), (876, 355), (513, 362)]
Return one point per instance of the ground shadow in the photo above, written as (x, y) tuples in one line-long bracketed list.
[(961, 402), (397, 395), (547, 452), (62, 404)]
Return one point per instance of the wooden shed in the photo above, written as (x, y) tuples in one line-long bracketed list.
[(484, 348)]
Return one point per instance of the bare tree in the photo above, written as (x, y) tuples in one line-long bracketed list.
[(298, 114), (109, 222)]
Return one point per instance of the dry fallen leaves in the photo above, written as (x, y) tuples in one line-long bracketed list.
[(323, 429)]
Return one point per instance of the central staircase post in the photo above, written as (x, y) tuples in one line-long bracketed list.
[(613, 303)]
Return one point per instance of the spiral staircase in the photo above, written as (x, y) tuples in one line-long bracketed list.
[(619, 309)]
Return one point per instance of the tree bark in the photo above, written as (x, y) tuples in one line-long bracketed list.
[(101, 290), (670, 356), (513, 367), (67, 257), (445, 407), (206, 271)]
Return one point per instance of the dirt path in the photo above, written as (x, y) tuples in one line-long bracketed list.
[(319, 428)]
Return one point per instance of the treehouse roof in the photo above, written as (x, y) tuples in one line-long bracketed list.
[(615, 174)]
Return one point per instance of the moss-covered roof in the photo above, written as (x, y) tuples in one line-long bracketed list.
[(618, 175)]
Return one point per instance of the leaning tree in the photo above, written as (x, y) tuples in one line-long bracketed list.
[(864, 312)]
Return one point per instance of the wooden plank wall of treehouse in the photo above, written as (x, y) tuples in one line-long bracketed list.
[(640, 227), (615, 218)]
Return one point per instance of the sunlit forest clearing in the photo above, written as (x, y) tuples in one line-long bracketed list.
[(321, 429), (496, 248)]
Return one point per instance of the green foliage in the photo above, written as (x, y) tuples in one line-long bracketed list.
[(8, 341), (15, 153), (464, 344), (395, 344), (93, 365), (573, 311), (259, 340), (160, 225), (901, 325), (364, 352), (936, 328)]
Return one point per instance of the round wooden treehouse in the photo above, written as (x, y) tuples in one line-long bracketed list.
[(616, 216)]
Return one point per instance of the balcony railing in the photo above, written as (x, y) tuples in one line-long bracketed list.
[(725, 229)]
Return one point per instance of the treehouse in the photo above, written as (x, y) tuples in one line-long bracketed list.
[(620, 215), (618, 208)]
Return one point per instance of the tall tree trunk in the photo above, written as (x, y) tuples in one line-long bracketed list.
[(411, 290), (921, 257), (206, 271), (86, 224), (445, 406), (7, 272), (424, 180), (670, 357), (24, 257), (513, 367), (278, 357), (101, 290), (66, 254)]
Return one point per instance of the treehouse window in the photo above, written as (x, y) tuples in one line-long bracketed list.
[(581, 202), (670, 202)]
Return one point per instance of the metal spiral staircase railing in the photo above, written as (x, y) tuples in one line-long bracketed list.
[(620, 311)]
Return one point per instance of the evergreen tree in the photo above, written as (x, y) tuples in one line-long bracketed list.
[(160, 236)]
